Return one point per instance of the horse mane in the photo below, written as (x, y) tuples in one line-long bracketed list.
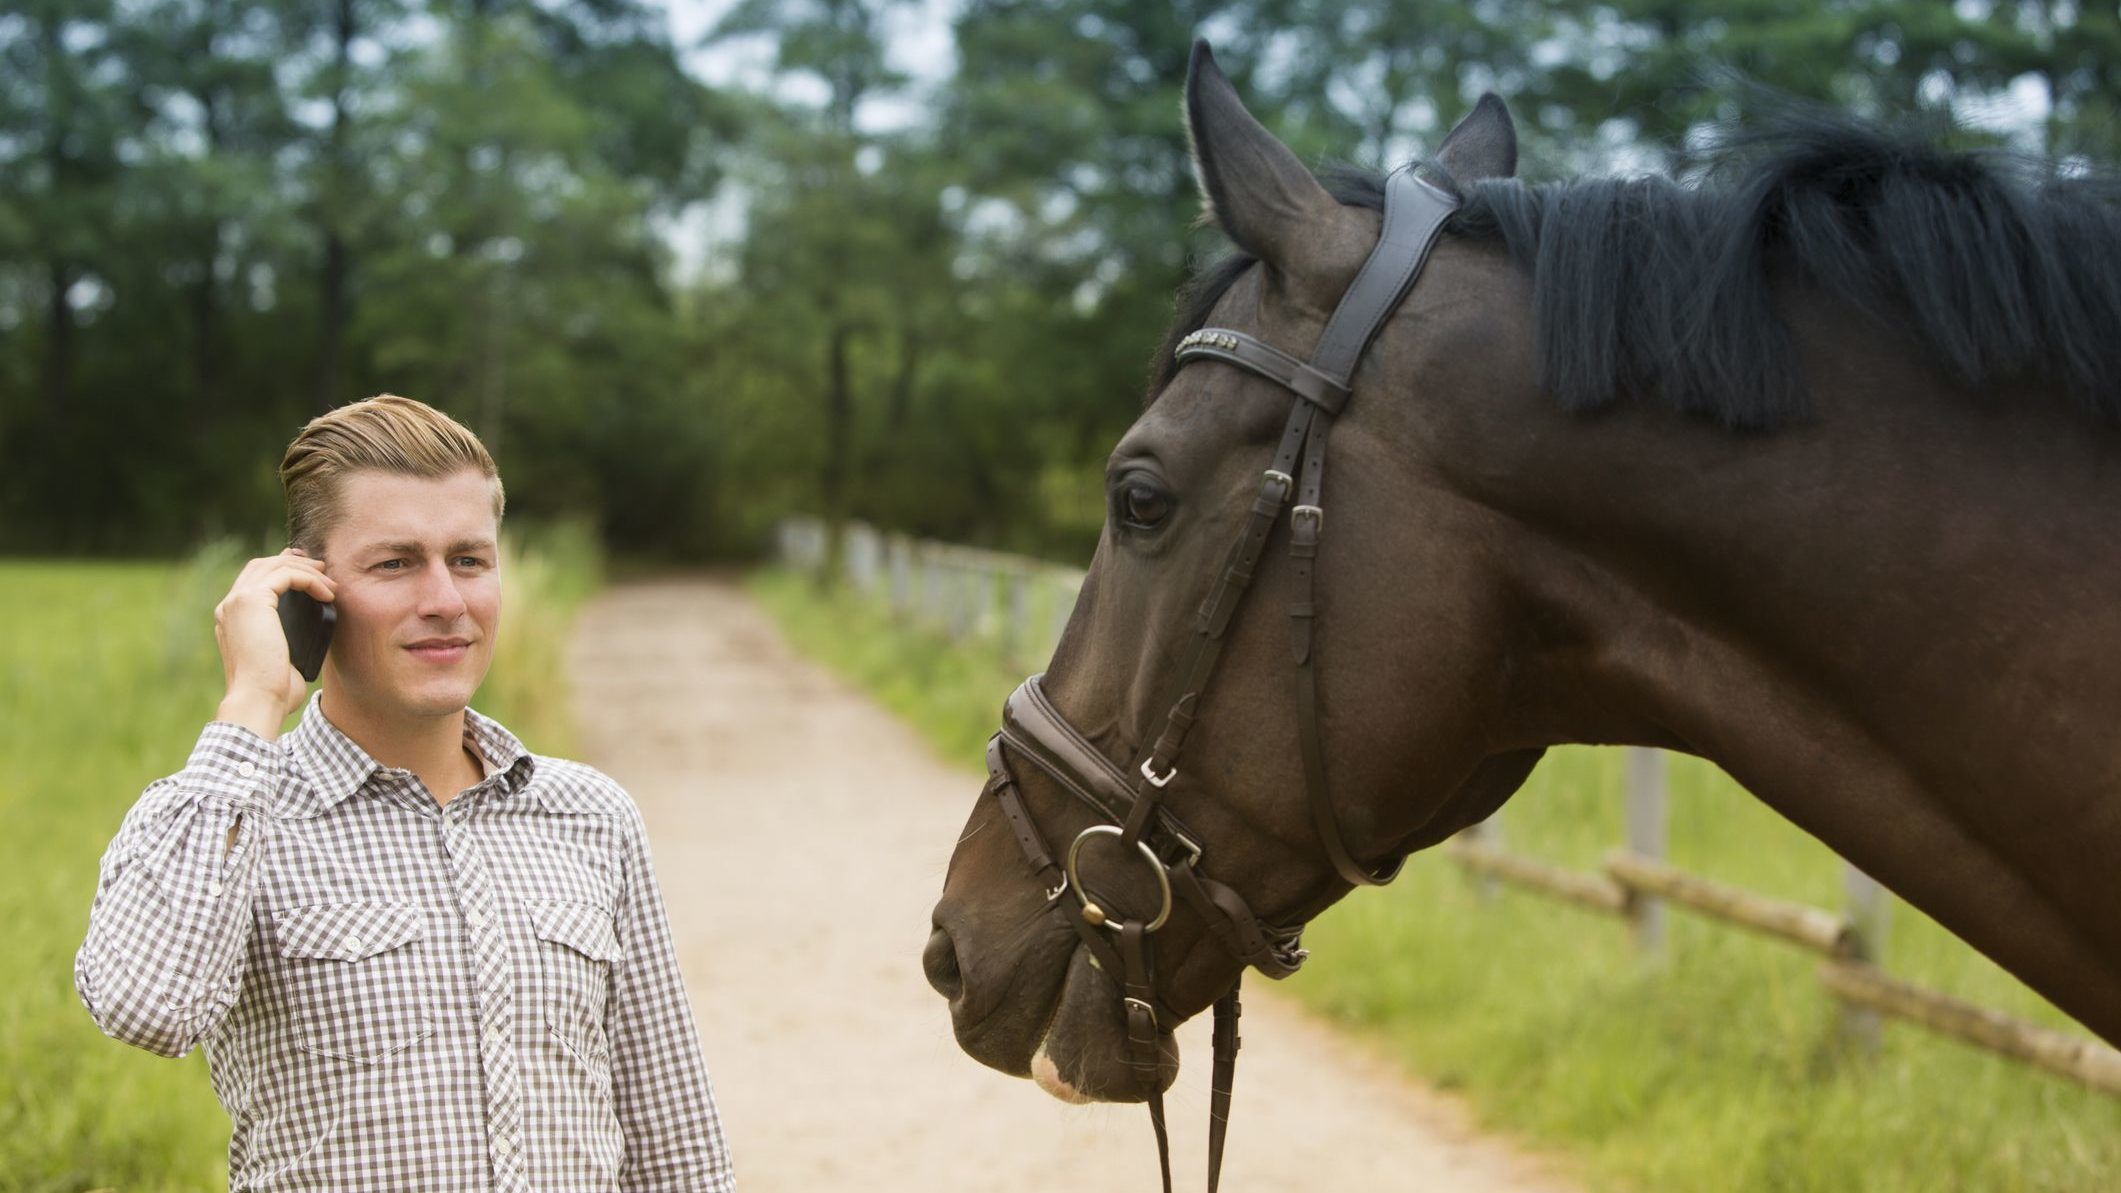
[(1999, 266)]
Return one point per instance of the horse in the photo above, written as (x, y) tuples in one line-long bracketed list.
[(1809, 468)]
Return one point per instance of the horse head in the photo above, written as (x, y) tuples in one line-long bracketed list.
[(1380, 582)]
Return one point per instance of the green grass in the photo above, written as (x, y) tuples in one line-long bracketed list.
[(1711, 1070), (107, 673)]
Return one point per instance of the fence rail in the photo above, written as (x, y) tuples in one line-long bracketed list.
[(1810, 927), (1849, 971), (1018, 605), (1022, 605)]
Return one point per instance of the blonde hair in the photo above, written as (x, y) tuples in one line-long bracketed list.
[(385, 433)]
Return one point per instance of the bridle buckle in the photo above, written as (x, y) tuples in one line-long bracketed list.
[(1143, 1006), (1156, 780)]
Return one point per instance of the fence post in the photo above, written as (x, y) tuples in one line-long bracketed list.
[(897, 554), (1870, 908), (1646, 838), (931, 589), (1486, 884), (1016, 624), (861, 557), (1064, 594), (958, 620)]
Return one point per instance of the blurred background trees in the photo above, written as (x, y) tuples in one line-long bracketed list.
[(681, 310)]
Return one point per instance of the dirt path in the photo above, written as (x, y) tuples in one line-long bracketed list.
[(800, 835)]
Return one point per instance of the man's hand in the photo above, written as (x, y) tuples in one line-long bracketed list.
[(263, 685)]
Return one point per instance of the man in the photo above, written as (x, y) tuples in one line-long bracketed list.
[(420, 956)]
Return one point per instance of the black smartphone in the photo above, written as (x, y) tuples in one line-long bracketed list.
[(308, 623)]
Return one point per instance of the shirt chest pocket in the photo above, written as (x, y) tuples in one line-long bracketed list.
[(577, 946), (352, 978)]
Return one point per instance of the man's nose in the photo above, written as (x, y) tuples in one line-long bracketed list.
[(438, 593)]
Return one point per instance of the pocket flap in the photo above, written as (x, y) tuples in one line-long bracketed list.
[(347, 931), (584, 927)]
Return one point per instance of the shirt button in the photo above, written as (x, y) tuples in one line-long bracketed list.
[(497, 1033), (247, 769), (475, 918), (351, 944), (503, 1146), (214, 888)]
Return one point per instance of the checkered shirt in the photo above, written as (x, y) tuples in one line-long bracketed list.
[(400, 994)]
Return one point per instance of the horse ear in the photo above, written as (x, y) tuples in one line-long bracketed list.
[(1484, 145), (1251, 184)]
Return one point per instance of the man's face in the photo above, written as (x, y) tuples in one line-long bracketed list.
[(418, 592)]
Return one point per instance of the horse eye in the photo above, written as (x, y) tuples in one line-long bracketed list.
[(1142, 505)]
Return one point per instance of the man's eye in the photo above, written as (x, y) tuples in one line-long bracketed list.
[(1142, 505), (390, 565)]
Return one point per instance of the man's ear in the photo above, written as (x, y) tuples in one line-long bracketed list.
[(1483, 145), (1251, 184)]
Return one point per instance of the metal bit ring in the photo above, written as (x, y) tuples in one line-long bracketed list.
[(1156, 867)]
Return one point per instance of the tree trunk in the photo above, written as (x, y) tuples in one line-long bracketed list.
[(57, 380), (835, 481), (333, 314), (334, 302), (909, 363)]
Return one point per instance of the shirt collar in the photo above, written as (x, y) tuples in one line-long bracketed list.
[(337, 768)]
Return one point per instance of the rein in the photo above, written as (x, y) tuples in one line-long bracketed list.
[(1131, 802)]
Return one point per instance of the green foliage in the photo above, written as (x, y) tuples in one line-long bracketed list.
[(1713, 1069), (102, 697), (109, 671), (219, 217), (323, 201)]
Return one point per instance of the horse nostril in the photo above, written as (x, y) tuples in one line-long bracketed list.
[(940, 960)]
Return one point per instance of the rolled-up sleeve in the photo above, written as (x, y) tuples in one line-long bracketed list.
[(660, 1089), (170, 924)]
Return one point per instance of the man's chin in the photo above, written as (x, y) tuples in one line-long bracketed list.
[(440, 704), (434, 698)]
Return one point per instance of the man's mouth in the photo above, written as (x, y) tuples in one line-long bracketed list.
[(440, 650)]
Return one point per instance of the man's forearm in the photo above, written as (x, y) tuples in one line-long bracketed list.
[(170, 925)]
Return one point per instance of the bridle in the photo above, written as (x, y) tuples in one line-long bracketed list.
[(1131, 801)]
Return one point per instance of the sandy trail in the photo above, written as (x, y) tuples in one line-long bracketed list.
[(800, 834)]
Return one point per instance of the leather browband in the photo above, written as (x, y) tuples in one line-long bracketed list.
[(1258, 356)]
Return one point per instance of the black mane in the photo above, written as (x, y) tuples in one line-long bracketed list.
[(1996, 266)]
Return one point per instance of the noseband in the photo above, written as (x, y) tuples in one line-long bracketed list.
[(1131, 802)]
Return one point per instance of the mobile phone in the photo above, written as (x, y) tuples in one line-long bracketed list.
[(307, 622)]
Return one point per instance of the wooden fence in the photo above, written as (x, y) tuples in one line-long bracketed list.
[(1638, 885), (1017, 605), (1020, 607)]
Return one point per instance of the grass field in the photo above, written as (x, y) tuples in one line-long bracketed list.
[(107, 673), (1709, 1071)]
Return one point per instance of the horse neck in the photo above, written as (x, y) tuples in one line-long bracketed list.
[(1894, 623)]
